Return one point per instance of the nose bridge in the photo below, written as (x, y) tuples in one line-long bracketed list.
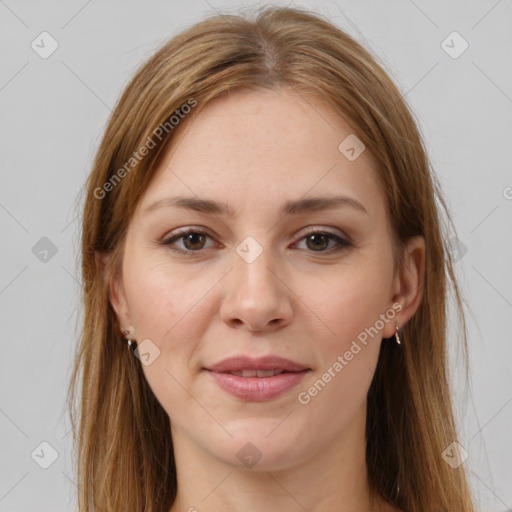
[(254, 266), (257, 296)]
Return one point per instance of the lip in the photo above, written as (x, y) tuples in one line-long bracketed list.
[(257, 389), (238, 363)]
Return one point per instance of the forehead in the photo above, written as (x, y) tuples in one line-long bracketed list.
[(256, 148)]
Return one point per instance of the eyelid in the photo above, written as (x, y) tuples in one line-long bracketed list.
[(341, 234), (310, 230), (343, 240)]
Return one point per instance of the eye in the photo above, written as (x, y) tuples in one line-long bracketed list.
[(318, 241), (193, 241)]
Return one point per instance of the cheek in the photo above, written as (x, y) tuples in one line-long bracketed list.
[(159, 299), (352, 302), (348, 349), (154, 305), (167, 307), (353, 310), (163, 308)]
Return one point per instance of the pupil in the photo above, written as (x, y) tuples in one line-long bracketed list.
[(190, 238), (311, 237)]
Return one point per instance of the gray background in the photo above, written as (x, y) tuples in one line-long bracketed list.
[(54, 111)]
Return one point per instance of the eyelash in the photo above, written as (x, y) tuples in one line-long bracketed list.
[(169, 242)]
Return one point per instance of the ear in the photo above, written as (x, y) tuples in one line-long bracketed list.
[(408, 283), (116, 293)]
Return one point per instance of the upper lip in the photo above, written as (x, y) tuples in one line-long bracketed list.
[(239, 363)]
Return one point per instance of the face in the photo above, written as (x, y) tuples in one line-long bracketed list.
[(312, 285)]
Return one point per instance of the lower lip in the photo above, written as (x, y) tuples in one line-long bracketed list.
[(257, 389)]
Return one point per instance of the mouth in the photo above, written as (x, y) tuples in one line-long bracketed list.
[(257, 380), (248, 386)]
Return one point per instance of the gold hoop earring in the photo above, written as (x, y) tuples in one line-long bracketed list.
[(397, 336)]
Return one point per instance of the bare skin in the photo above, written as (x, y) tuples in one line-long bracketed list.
[(300, 299)]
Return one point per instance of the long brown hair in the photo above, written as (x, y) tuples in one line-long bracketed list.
[(122, 434)]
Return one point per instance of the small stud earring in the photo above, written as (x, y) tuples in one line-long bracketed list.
[(131, 343), (397, 336)]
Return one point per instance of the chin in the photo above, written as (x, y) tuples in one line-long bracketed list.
[(258, 448)]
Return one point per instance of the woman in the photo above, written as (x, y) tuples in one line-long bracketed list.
[(261, 230)]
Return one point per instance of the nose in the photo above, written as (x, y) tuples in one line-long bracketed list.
[(258, 296)]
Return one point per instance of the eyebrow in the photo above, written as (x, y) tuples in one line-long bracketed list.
[(291, 207)]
